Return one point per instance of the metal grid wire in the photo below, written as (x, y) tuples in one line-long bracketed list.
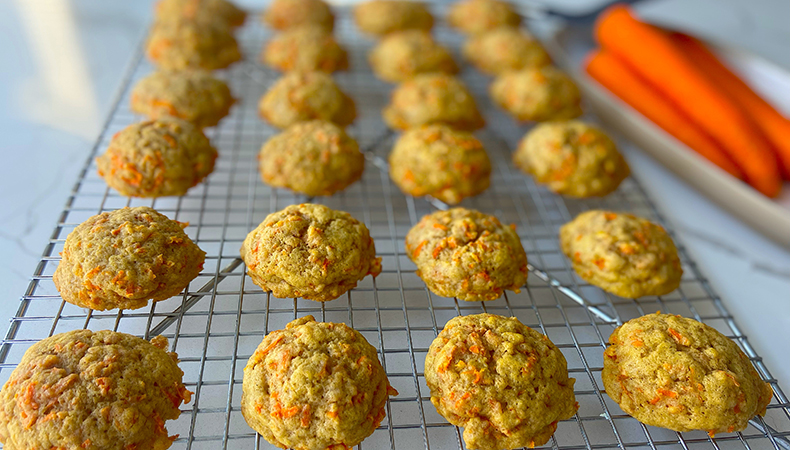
[(217, 323)]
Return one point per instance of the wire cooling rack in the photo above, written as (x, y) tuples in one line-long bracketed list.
[(220, 319)]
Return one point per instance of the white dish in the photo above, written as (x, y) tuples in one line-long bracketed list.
[(771, 217)]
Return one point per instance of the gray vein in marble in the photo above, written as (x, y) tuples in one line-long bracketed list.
[(756, 265)]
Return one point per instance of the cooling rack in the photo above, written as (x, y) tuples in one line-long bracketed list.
[(221, 317)]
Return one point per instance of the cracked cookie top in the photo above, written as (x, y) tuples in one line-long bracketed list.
[(157, 158), (98, 390), (309, 251), (677, 373), (504, 382), (123, 258), (467, 254), (626, 255), (314, 385)]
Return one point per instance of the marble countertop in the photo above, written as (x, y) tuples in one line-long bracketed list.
[(68, 58)]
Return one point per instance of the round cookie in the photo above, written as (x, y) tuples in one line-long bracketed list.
[(305, 49), (123, 258), (192, 95), (478, 16), (503, 49), (186, 44), (537, 94), (285, 14), (92, 390), (504, 382), (314, 158), (623, 254), (572, 158), (433, 98), (381, 17), (466, 254), (303, 96), (221, 11), (157, 158), (309, 251), (441, 162), (673, 372), (314, 385), (404, 54)]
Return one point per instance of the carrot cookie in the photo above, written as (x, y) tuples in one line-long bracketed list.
[(504, 382), (441, 162), (315, 385), (122, 259), (503, 49), (572, 158), (285, 14), (303, 96), (192, 95), (305, 49), (479, 16), (92, 390), (623, 254), (380, 17), (157, 158), (309, 251), (221, 11), (673, 372), (466, 254), (185, 44), (314, 158), (537, 94), (433, 98), (402, 55)]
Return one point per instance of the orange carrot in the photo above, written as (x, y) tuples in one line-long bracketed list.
[(618, 78), (774, 125), (650, 53)]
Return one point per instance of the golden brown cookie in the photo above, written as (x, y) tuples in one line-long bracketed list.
[(404, 54), (89, 390), (305, 49), (466, 254), (304, 96), (309, 251), (123, 258), (537, 94), (433, 98), (478, 16), (572, 158), (503, 49), (314, 158), (673, 372), (192, 95), (315, 385), (504, 382), (381, 17), (623, 254), (285, 14), (221, 11), (441, 162), (157, 158), (186, 44)]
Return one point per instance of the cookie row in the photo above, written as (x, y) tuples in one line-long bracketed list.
[(124, 258), (319, 385), (168, 154)]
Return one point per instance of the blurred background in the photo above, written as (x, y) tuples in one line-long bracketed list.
[(64, 61)]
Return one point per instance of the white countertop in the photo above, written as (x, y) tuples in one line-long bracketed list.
[(63, 62)]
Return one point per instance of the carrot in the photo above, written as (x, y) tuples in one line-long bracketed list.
[(618, 78), (651, 53), (774, 125)]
